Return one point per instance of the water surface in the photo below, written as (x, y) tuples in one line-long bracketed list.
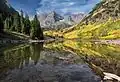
[(65, 61)]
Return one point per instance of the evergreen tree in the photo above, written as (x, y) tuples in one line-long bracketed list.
[(19, 24), (27, 25), (36, 32), (22, 22), (11, 21), (16, 23), (6, 24), (1, 23)]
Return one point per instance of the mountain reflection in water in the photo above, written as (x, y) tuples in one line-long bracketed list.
[(60, 57)]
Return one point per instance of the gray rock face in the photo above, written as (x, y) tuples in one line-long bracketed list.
[(77, 17), (50, 18), (56, 21), (42, 18), (58, 25), (69, 20)]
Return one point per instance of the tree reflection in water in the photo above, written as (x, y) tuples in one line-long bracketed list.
[(100, 57), (20, 56), (105, 57)]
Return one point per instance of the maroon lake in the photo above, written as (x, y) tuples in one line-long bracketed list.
[(65, 61)]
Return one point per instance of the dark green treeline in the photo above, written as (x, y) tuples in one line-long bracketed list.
[(11, 20)]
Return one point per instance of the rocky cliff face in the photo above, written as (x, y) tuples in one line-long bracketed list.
[(103, 11), (74, 18), (77, 17), (69, 20), (42, 18), (50, 18), (54, 20)]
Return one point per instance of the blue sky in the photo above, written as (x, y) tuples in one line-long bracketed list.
[(60, 6)]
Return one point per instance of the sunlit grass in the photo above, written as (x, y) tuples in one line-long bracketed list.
[(107, 30), (53, 33), (72, 34)]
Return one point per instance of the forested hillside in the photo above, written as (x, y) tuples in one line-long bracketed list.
[(12, 21)]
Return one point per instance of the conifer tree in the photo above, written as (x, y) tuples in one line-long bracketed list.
[(11, 21), (22, 22), (1, 23), (27, 25), (6, 24), (36, 32), (17, 24)]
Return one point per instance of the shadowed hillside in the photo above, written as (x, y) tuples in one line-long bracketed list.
[(17, 24)]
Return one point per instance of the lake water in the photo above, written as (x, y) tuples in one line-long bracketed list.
[(60, 61)]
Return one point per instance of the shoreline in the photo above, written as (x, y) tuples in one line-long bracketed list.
[(115, 42), (9, 41)]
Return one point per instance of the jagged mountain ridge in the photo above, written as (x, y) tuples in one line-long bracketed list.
[(103, 11), (55, 20), (49, 19), (52, 18)]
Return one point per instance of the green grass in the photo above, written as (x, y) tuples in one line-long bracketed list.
[(107, 30)]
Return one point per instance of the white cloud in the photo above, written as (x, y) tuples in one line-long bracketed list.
[(65, 6), (71, 3)]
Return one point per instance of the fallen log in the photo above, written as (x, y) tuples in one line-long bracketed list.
[(110, 76)]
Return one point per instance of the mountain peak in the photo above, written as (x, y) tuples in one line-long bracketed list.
[(49, 18), (53, 19), (53, 12), (55, 16)]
